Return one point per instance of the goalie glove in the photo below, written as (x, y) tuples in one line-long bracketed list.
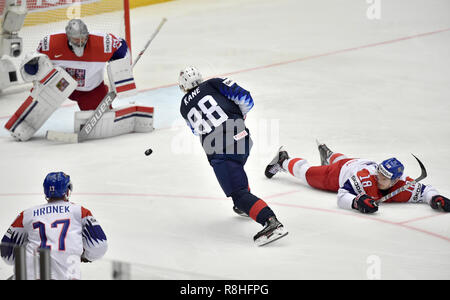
[(365, 204), (35, 66), (441, 203)]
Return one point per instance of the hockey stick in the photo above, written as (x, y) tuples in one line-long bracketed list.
[(423, 174), (150, 40), (104, 105)]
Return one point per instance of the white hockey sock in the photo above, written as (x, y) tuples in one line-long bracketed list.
[(335, 157), (297, 167)]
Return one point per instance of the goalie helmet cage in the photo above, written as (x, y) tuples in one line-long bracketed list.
[(51, 16)]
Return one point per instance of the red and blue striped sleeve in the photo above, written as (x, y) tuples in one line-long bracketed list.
[(94, 239)]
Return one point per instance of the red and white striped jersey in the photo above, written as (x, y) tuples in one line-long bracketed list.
[(87, 70)]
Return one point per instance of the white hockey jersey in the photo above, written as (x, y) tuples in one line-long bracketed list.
[(358, 176), (68, 230)]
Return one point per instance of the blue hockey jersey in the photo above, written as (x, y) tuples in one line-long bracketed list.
[(215, 110)]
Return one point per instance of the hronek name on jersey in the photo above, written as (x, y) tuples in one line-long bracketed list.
[(51, 210)]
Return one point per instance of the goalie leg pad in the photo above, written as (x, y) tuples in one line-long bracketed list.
[(118, 121), (20, 129), (23, 132), (103, 128), (142, 117), (45, 98)]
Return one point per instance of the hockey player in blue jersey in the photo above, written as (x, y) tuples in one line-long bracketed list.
[(215, 110)]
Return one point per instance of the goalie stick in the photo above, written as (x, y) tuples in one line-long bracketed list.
[(423, 175), (87, 128), (104, 105)]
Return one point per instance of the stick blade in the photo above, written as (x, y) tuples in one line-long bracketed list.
[(63, 137), (423, 173)]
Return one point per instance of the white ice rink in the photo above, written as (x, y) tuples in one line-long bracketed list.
[(370, 88)]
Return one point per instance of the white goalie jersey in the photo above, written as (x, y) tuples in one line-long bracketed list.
[(68, 230)]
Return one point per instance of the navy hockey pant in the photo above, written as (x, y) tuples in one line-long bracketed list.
[(229, 170)]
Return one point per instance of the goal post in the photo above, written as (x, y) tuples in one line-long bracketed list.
[(48, 16)]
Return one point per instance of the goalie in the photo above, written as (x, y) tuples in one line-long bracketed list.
[(79, 57)]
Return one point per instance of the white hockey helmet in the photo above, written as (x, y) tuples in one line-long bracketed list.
[(77, 35), (189, 78)]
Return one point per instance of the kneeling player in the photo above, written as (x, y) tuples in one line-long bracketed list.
[(358, 182)]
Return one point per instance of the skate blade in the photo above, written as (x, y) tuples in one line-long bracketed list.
[(272, 171), (241, 213), (244, 215), (277, 234)]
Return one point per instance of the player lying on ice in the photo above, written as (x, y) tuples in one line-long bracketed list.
[(67, 229), (215, 110), (358, 182), (71, 65)]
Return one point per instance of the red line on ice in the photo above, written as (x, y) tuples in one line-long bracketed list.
[(333, 211)]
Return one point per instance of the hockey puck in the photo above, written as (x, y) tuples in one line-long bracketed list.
[(148, 152)]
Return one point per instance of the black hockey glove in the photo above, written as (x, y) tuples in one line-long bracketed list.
[(84, 259), (365, 204), (441, 203)]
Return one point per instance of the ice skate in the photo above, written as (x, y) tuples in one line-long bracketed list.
[(325, 153), (239, 212), (276, 164), (273, 231)]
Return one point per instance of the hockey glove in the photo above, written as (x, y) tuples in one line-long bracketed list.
[(441, 203), (365, 204), (84, 259)]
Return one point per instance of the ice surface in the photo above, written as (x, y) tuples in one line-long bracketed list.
[(316, 69)]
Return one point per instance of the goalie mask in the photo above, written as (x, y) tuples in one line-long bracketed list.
[(189, 78), (77, 35), (57, 185)]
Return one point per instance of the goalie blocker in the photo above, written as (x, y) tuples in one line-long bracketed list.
[(121, 80), (52, 86)]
